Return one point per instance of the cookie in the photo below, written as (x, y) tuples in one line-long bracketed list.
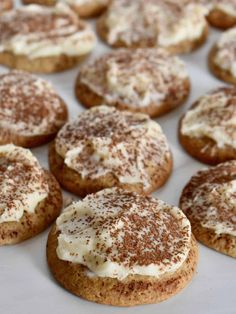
[(179, 27), (209, 201), (222, 13), (119, 248), (84, 8), (142, 80), (105, 147), (222, 57), (5, 5), (31, 112), (208, 130), (30, 196), (42, 39)]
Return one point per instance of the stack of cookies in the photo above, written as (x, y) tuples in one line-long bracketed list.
[(117, 244)]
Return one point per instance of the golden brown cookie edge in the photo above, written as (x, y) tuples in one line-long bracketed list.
[(45, 65), (219, 19), (135, 290)]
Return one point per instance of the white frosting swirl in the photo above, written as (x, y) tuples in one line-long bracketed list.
[(137, 78), (116, 233), (37, 31), (164, 23)]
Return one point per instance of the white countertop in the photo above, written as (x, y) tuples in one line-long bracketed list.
[(27, 286)]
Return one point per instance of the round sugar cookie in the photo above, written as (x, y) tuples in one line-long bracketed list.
[(31, 112), (119, 248), (30, 196), (104, 147), (141, 80), (43, 39), (179, 27), (208, 130), (209, 201), (222, 57)]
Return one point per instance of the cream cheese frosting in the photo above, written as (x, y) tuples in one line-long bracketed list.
[(225, 54), (37, 31), (213, 116), (22, 183), (210, 198), (116, 233), (29, 106), (136, 77), (164, 23), (104, 140)]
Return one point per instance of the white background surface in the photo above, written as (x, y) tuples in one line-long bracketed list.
[(26, 285)]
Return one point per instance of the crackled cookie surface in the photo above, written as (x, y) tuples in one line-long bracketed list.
[(41, 39), (208, 130), (209, 201), (31, 112), (105, 147), (177, 26), (30, 198), (143, 80), (115, 238)]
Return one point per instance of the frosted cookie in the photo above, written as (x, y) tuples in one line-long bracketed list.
[(30, 197), (208, 130), (122, 249), (222, 57), (142, 80), (40, 39), (209, 201), (105, 147), (84, 8), (176, 26), (5, 5), (31, 112), (222, 13)]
